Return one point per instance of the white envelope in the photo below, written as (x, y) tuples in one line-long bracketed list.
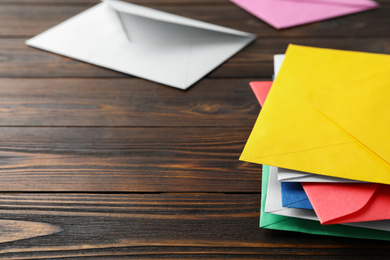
[(143, 42), (278, 61), (273, 204), (287, 175)]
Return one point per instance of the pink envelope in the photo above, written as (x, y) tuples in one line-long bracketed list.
[(336, 203), (261, 89), (288, 13)]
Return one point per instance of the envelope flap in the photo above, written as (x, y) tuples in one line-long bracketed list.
[(360, 104), (163, 17), (341, 199), (293, 196), (285, 174)]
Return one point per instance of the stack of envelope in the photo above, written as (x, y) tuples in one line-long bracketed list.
[(323, 139)]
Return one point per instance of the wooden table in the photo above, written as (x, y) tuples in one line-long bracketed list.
[(96, 164)]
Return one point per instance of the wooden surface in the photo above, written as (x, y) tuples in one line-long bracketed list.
[(95, 164)]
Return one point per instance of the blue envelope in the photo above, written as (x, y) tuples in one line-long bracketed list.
[(293, 196)]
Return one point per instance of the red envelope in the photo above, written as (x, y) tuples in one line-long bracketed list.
[(336, 203), (261, 89)]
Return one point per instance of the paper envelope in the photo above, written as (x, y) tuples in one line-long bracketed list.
[(287, 13), (289, 223), (294, 196), (278, 61), (273, 204), (261, 89), (287, 175), (348, 203), (143, 42), (327, 113)]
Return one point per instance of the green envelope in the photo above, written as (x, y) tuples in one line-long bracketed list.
[(272, 221)]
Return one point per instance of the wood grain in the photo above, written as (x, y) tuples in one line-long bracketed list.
[(165, 226), (125, 102), (126, 160), (12, 230)]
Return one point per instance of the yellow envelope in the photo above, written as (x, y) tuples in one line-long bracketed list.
[(328, 112)]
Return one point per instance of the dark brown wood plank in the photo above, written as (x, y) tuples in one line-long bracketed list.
[(125, 102), (126, 160), (16, 20), (162, 226), (255, 61)]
